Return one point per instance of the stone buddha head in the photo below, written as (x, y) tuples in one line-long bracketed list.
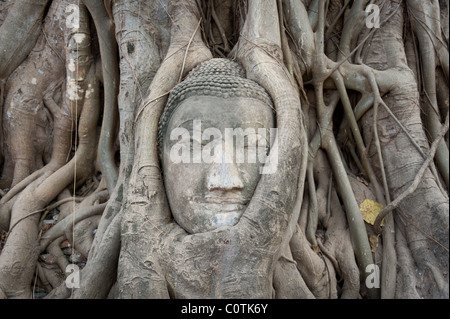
[(213, 137)]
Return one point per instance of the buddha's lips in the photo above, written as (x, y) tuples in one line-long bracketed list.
[(219, 206), (221, 200)]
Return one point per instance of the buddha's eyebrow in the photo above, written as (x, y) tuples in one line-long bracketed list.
[(189, 124)]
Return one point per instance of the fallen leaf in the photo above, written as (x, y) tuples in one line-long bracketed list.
[(316, 249), (370, 210), (373, 240)]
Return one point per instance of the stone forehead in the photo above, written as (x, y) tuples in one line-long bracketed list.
[(216, 77)]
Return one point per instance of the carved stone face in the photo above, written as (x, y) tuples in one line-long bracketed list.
[(203, 194)]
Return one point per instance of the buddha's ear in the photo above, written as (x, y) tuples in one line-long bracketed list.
[(275, 206)]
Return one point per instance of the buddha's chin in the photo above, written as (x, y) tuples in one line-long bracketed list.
[(226, 219), (222, 214)]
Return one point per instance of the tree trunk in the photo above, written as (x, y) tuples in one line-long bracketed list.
[(357, 206)]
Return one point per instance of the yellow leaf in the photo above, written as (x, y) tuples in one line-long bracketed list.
[(370, 210), (373, 240), (316, 249)]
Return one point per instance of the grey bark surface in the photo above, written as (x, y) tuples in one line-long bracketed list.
[(357, 111)]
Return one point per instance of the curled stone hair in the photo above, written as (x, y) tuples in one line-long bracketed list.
[(216, 77)]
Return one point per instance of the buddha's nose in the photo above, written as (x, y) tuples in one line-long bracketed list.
[(224, 175)]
